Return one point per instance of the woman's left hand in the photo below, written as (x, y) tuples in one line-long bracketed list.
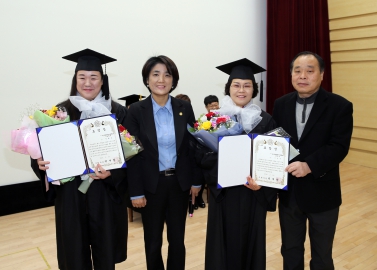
[(100, 173), (251, 184)]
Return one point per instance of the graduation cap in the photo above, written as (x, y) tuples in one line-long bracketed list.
[(92, 61), (131, 99), (243, 69)]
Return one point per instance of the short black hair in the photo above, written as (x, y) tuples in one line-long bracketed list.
[(321, 63), (161, 59), (209, 99), (255, 88)]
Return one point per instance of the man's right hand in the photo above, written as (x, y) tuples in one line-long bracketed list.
[(298, 169), (139, 203)]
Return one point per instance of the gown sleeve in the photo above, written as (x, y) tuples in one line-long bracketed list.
[(50, 194)]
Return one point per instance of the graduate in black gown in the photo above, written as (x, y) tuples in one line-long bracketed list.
[(236, 227), (91, 226)]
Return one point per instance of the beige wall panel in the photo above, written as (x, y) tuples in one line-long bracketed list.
[(366, 145), (364, 133), (355, 21), (353, 44), (352, 56), (358, 32), (342, 8), (357, 83), (363, 158)]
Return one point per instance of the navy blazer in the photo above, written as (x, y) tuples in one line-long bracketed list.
[(324, 143), (143, 169)]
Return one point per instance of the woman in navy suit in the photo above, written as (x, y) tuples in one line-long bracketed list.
[(160, 177)]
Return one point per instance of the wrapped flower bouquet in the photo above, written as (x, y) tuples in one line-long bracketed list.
[(129, 143), (24, 139), (210, 126)]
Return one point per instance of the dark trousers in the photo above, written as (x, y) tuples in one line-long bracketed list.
[(168, 203), (322, 228)]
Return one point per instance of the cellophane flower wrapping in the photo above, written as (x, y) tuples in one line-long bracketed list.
[(131, 146), (25, 140), (210, 126), (44, 120)]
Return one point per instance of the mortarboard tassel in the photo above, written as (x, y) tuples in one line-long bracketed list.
[(105, 87), (261, 91)]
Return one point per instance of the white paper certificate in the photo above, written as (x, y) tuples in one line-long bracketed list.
[(270, 158), (102, 145)]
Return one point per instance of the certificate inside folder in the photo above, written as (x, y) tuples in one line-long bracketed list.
[(263, 157), (75, 148)]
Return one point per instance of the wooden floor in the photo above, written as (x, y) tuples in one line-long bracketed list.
[(27, 240)]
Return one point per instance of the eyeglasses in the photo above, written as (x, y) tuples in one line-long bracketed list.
[(245, 86)]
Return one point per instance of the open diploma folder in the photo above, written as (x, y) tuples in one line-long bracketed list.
[(262, 156), (76, 147)]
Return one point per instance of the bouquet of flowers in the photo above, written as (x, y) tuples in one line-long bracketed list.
[(210, 126), (24, 140), (129, 143)]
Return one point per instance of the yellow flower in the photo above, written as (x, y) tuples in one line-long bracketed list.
[(50, 113), (128, 139), (206, 125)]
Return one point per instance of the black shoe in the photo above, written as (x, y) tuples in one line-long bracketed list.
[(196, 206), (199, 202)]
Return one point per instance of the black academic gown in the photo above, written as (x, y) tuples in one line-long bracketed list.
[(92, 225), (236, 227)]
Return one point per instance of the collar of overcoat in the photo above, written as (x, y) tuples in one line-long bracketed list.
[(319, 107)]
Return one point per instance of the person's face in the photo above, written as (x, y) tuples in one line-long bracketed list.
[(306, 75), (212, 106), (241, 91), (160, 80), (88, 83)]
